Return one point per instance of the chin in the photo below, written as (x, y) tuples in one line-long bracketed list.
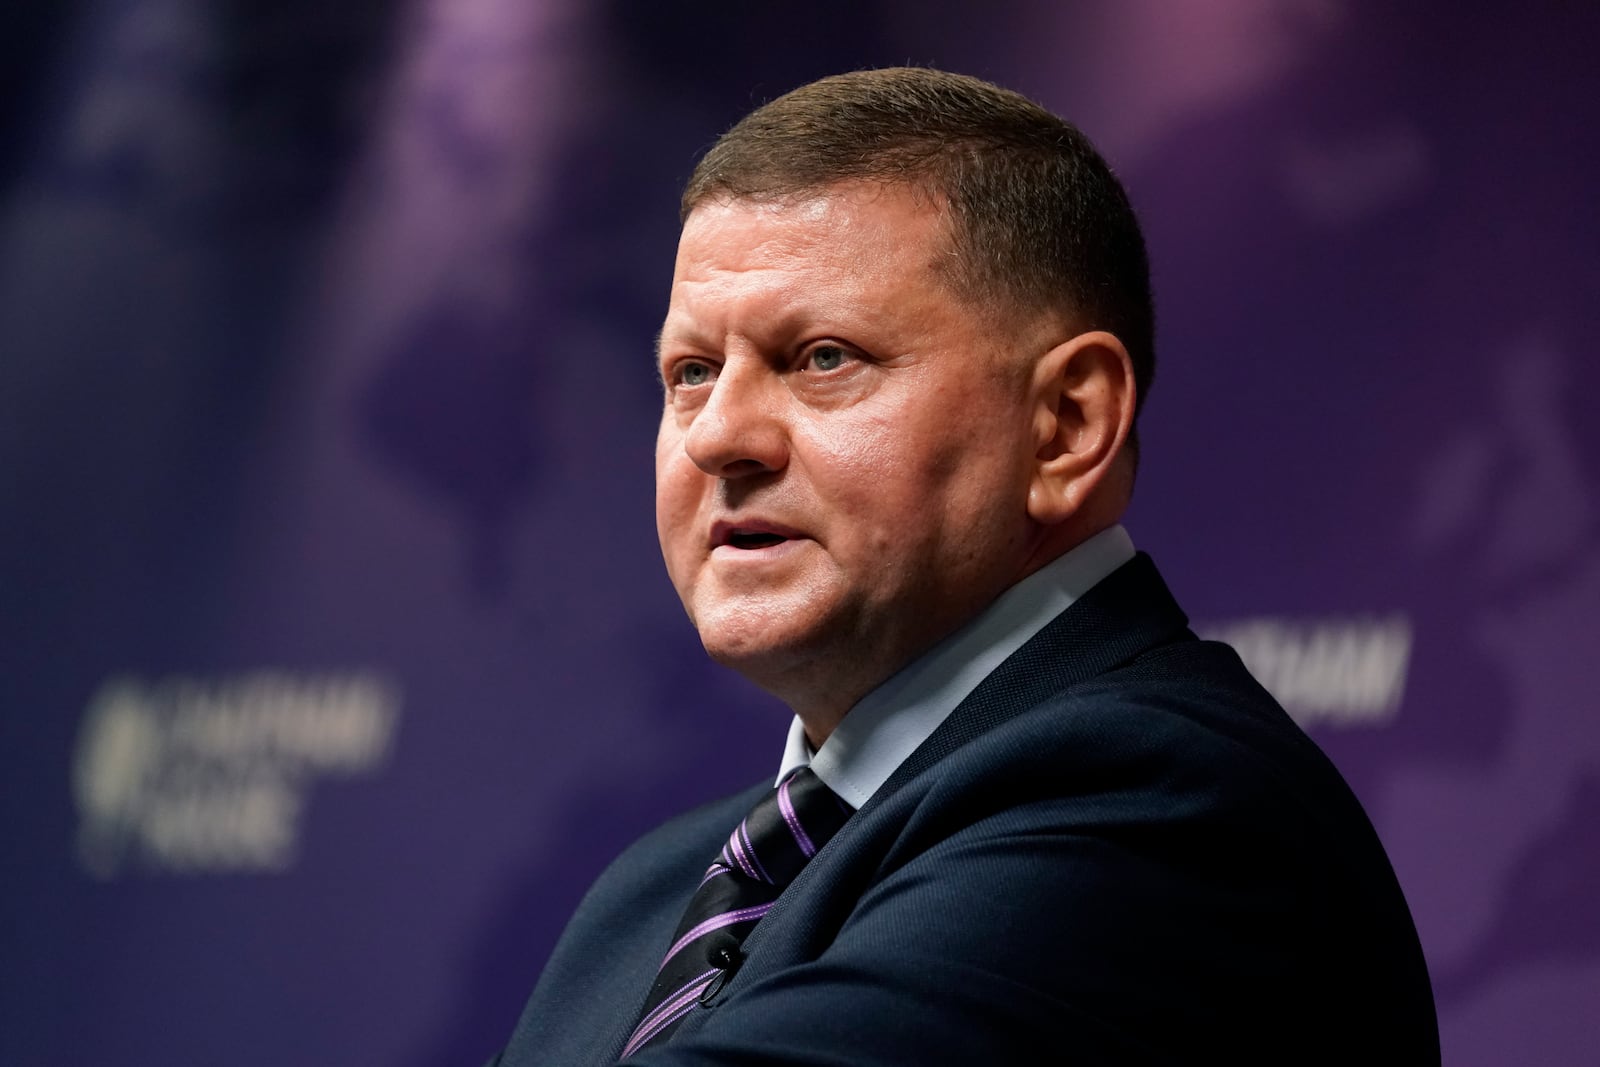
[(744, 650), (763, 646)]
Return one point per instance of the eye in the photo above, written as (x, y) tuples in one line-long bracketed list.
[(692, 374), (827, 357)]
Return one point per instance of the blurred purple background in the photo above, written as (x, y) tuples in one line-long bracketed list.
[(336, 651)]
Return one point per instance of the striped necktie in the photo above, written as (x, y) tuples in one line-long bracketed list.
[(779, 836)]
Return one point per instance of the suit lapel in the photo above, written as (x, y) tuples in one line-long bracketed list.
[(1125, 615), (1128, 613)]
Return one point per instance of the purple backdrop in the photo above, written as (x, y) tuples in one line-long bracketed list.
[(336, 650)]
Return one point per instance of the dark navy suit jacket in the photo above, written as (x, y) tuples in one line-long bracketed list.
[(1117, 849)]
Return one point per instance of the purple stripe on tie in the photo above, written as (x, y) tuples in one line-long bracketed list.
[(750, 850), (746, 855), (667, 1013), (714, 870), (716, 922), (683, 1009), (733, 851), (793, 819), (651, 1022)]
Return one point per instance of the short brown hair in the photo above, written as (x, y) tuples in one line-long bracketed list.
[(1038, 219)]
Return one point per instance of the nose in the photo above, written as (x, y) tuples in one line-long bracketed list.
[(740, 430)]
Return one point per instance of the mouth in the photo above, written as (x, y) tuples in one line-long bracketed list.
[(754, 540), (751, 535)]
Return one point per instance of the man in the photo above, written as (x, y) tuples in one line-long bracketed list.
[(908, 335)]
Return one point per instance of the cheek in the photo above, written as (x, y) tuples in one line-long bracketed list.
[(928, 489), (886, 487), (861, 463), (915, 456), (669, 442), (675, 496)]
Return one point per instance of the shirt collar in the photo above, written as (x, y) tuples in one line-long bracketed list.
[(890, 722)]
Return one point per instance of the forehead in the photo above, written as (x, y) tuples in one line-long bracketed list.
[(857, 208), (860, 239)]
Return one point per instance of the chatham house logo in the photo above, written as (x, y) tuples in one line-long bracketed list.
[(193, 774), (1330, 673)]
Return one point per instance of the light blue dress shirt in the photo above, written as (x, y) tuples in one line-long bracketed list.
[(890, 722)]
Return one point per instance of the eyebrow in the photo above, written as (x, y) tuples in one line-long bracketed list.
[(688, 337)]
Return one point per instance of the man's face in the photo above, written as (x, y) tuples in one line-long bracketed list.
[(846, 447)]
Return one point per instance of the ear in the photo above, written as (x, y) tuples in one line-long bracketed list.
[(1083, 412)]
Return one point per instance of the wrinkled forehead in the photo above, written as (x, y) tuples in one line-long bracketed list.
[(874, 260), (857, 257), (870, 237), (911, 188), (900, 217)]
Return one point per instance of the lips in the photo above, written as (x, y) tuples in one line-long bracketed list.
[(751, 534)]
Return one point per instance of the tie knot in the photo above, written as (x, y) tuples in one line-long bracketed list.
[(785, 829)]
